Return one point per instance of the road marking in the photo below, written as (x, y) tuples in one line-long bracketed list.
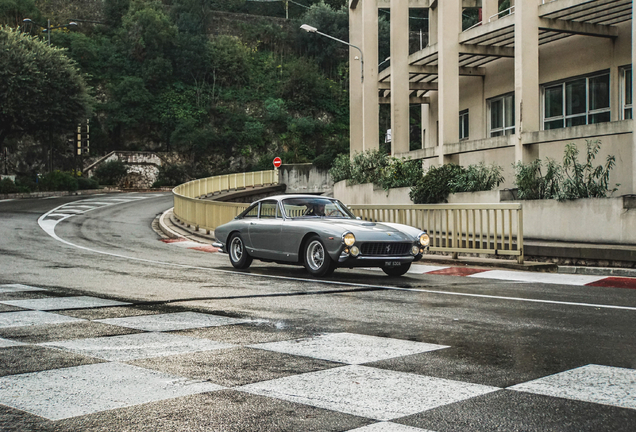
[(5, 200), (562, 279), (48, 225)]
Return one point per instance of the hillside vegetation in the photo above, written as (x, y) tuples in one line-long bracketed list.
[(224, 88)]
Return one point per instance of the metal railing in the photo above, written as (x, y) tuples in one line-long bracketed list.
[(494, 229), (191, 209)]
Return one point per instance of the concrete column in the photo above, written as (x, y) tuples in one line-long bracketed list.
[(370, 104), (399, 76), (355, 83), (633, 83), (432, 25), (450, 14), (488, 9), (527, 94)]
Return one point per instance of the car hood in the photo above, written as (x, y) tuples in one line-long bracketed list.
[(371, 231)]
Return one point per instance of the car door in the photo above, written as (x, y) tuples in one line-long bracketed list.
[(265, 231)]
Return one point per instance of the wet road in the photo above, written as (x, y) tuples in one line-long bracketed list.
[(209, 348)]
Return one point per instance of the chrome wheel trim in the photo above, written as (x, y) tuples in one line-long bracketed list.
[(236, 249), (315, 255)]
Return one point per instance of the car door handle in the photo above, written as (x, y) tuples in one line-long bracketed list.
[(252, 223)]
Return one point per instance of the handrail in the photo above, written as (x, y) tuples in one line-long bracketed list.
[(494, 229), (191, 209)]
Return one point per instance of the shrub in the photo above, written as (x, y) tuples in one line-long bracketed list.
[(111, 173), (477, 178), (571, 181), (58, 181), (585, 180), (400, 173), (7, 186), (532, 184), (367, 167), (84, 183), (435, 185), (341, 168), (171, 175)]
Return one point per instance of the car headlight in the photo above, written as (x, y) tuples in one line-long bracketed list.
[(349, 239), (355, 251), (424, 239), (415, 249)]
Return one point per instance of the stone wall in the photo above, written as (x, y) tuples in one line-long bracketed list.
[(305, 178), (143, 167)]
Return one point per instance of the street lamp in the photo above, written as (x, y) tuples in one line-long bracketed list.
[(48, 27), (310, 29)]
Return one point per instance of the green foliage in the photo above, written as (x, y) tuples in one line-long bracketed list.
[(367, 167), (400, 173), (435, 185), (12, 12), (84, 183), (7, 186), (41, 90), (585, 180), (171, 175), (58, 181), (475, 178), (111, 173), (573, 180)]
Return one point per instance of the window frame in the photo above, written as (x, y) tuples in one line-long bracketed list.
[(505, 128), (564, 117), (464, 132), (623, 93)]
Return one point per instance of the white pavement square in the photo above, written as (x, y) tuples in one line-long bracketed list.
[(172, 321), (60, 303), (138, 346), (592, 383), (70, 392), (6, 343), (349, 348), (368, 392), (548, 278), (388, 427), (31, 318), (18, 288)]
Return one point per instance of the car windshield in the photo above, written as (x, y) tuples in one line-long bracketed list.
[(316, 208)]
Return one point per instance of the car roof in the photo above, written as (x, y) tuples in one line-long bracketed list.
[(282, 197)]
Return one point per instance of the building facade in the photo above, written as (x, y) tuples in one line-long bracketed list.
[(517, 86)]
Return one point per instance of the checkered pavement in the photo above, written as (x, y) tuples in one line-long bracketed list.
[(124, 356)]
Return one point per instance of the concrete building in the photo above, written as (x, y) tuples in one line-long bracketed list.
[(517, 86)]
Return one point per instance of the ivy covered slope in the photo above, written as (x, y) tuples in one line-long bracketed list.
[(223, 89)]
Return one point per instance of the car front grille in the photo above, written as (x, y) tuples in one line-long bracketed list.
[(385, 248)]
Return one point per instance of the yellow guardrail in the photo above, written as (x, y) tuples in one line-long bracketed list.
[(494, 229), (191, 209)]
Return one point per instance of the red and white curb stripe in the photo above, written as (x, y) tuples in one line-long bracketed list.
[(504, 275)]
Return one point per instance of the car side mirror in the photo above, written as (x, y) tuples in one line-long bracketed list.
[(358, 218)]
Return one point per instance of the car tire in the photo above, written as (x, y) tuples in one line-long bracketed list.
[(397, 271), (316, 259), (239, 257)]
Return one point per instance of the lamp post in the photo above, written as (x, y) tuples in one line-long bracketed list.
[(311, 29), (48, 29)]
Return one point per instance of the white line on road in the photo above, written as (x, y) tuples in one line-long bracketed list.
[(48, 225)]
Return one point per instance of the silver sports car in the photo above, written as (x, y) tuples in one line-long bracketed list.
[(321, 234)]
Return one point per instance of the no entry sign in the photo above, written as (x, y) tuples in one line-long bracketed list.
[(277, 162)]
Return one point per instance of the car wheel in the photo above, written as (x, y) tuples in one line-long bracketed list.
[(239, 257), (317, 260), (397, 271)]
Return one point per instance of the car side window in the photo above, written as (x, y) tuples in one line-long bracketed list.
[(251, 212), (268, 209)]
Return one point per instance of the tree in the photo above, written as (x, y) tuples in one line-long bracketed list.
[(41, 89), (12, 12)]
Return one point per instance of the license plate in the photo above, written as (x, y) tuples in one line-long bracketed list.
[(392, 263)]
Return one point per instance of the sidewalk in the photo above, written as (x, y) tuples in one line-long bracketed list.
[(173, 229)]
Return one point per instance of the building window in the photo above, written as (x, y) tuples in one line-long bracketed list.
[(502, 115), (577, 102), (463, 124), (626, 93)]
